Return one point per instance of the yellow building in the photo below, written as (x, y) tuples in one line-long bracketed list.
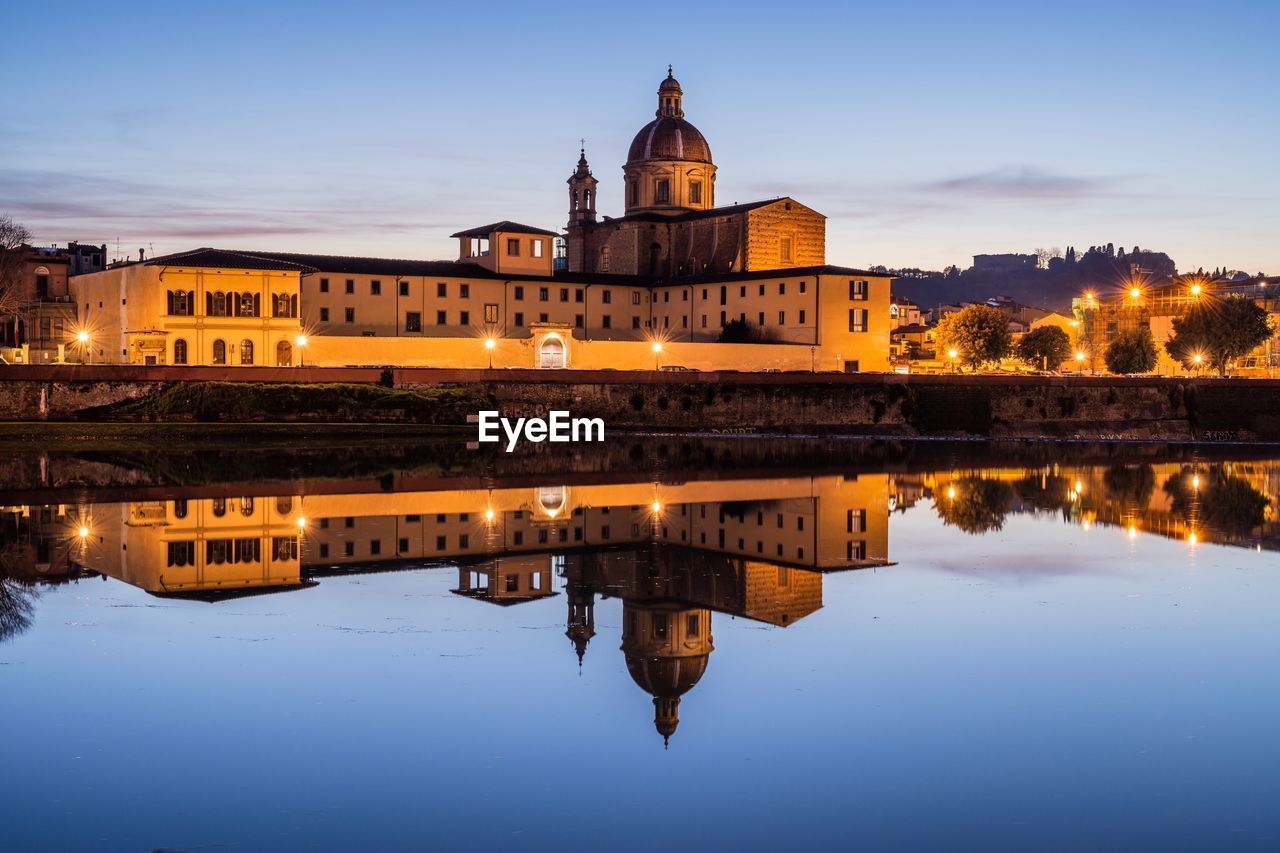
[(676, 282)]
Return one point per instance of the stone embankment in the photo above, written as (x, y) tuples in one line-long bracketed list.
[(1157, 408)]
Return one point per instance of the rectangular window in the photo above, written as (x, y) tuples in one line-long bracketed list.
[(608, 297), (537, 248), (324, 285), (578, 295), (564, 294), (579, 321), (542, 318), (856, 521), (695, 192), (351, 285), (782, 318), (351, 315), (704, 321), (802, 287), (442, 318), (464, 291), (635, 322), (519, 294), (403, 547), (441, 543), (519, 318), (857, 319), (491, 312), (635, 297), (544, 294), (349, 549), (375, 288), (442, 289), (513, 247), (607, 321), (782, 288), (464, 318), (801, 316), (404, 288), (785, 249), (324, 315), (662, 195), (413, 321), (375, 546), (760, 321), (857, 291)]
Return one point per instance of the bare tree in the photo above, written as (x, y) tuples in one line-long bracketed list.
[(14, 237)]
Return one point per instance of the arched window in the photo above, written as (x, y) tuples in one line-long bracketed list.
[(219, 507), (246, 351), (246, 506), (284, 505), (604, 259), (180, 508), (219, 352), (180, 351), (246, 305), (280, 305), (284, 354), (219, 308)]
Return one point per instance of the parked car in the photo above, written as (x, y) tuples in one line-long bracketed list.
[(675, 368)]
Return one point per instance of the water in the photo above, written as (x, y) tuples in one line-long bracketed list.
[(1055, 647)]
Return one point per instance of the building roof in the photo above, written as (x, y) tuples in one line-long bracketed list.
[(669, 138), (504, 225), (227, 259), (690, 215)]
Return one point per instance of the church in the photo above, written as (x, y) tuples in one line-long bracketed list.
[(671, 227), (674, 283)]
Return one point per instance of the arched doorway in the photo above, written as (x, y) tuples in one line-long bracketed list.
[(551, 353), (284, 354), (180, 351), (219, 352)]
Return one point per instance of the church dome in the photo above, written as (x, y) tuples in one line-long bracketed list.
[(666, 677), (669, 138)]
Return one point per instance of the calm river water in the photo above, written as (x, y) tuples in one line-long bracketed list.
[(664, 644)]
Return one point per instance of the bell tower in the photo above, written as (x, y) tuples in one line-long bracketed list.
[(582, 212), (582, 192)]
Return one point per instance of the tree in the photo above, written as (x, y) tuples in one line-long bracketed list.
[(1044, 348), (746, 332), (1132, 352), (13, 239), (978, 333), (974, 504), (1219, 331)]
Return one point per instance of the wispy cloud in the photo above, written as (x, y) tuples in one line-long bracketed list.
[(1026, 182)]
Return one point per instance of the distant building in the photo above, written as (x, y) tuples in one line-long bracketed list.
[(39, 330), (903, 312)]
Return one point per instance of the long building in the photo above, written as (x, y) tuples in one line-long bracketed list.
[(674, 282)]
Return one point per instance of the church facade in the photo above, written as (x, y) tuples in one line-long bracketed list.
[(675, 282)]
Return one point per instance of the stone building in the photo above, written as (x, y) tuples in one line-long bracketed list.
[(671, 227)]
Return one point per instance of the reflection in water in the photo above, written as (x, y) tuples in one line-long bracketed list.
[(673, 553)]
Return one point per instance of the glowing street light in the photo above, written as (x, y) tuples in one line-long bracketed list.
[(656, 346), (302, 522), (951, 355), (488, 515), (301, 342), (656, 506), (490, 344), (86, 351), (82, 337), (1196, 289), (83, 532), (1135, 293)]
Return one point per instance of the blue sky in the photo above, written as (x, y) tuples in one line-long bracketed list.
[(927, 132)]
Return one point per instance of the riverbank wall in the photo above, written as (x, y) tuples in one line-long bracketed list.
[(1156, 408)]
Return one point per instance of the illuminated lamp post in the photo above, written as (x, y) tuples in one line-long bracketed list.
[(86, 351), (656, 346), (951, 357), (490, 344), (1080, 357), (301, 341)]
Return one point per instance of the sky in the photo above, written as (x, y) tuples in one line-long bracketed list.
[(926, 131)]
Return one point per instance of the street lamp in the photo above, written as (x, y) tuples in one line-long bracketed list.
[(1196, 289), (1080, 357), (951, 354), (490, 344), (86, 352), (657, 353), (301, 341)]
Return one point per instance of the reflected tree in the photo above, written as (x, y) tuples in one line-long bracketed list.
[(1044, 492), (1131, 485), (1217, 501), (17, 597), (975, 505)]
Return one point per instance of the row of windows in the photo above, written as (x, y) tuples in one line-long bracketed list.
[(182, 303), (375, 288), (220, 551)]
